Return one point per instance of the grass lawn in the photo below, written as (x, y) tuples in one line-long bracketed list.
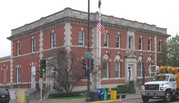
[(69, 97), (126, 93)]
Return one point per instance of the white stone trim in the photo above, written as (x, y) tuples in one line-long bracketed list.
[(67, 37), (41, 46), (11, 64)]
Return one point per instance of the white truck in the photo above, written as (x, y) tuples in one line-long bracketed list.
[(165, 85)]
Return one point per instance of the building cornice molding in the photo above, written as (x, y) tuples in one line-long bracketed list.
[(5, 59), (80, 17)]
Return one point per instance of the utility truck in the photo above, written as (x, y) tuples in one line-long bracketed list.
[(164, 85)]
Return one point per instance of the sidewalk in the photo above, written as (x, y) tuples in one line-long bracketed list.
[(128, 97)]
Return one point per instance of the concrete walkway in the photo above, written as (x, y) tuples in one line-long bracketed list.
[(128, 97)]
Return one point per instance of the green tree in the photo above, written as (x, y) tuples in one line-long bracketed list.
[(170, 53)]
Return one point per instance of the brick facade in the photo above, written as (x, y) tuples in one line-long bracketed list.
[(67, 24)]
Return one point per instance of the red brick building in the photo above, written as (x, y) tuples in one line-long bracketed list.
[(122, 48)]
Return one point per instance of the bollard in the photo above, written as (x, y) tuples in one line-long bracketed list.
[(27, 98)]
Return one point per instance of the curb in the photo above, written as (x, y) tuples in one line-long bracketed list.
[(107, 101)]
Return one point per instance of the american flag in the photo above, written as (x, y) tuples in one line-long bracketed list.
[(100, 26)]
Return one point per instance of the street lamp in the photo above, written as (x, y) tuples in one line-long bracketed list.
[(143, 70)]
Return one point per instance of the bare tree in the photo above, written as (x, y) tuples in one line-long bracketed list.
[(68, 68)]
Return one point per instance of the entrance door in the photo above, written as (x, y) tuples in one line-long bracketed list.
[(130, 73), (32, 76)]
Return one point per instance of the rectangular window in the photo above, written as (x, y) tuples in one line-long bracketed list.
[(117, 70), (106, 40), (53, 40), (33, 45), (117, 41), (140, 70), (130, 42), (149, 44), (81, 38), (105, 69), (149, 65), (18, 49), (140, 44), (4, 75), (18, 75), (160, 46)]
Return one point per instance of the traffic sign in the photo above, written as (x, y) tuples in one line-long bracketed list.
[(88, 54)]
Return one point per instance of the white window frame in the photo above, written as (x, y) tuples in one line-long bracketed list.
[(117, 69), (107, 71), (53, 40), (130, 42), (106, 40), (118, 41), (149, 44), (18, 49), (18, 75), (81, 39), (33, 46), (140, 43)]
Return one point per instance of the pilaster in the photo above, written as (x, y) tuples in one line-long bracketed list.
[(67, 37)]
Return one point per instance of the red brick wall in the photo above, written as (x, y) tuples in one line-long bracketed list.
[(26, 60), (59, 30), (25, 68), (26, 44), (5, 72)]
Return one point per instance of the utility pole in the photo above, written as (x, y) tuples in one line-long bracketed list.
[(41, 88)]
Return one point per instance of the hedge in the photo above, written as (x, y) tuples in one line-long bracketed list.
[(71, 94), (126, 88)]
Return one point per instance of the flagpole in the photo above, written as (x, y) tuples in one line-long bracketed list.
[(99, 85)]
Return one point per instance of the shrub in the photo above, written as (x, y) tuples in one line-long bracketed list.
[(71, 94), (126, 88), (122, 88)]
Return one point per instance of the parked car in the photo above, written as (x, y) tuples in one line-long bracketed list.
[(4, 95)]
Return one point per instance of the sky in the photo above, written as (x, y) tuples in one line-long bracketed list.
[(16, 13)]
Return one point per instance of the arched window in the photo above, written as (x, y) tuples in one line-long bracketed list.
[(149, 65), (105, 66), (140, 67), (117, 66)]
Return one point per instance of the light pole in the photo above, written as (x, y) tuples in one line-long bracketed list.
[(88, 49)]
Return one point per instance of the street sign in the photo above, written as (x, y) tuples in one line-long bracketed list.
[(88, 54)]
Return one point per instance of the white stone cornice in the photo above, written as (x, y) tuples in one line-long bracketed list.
[(80, 17)]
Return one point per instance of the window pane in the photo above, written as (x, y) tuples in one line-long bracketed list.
[(140, 43), (117, 70), (81, 38), (160, 46), (18, 75), (105, 66), (149, 64), (117, 41), (130, 42), (149, 44), (106, 40), (18, 48), (140, 70), (33, 45), (53, 39)]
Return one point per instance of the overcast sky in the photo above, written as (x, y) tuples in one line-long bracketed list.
[(16, 13)]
